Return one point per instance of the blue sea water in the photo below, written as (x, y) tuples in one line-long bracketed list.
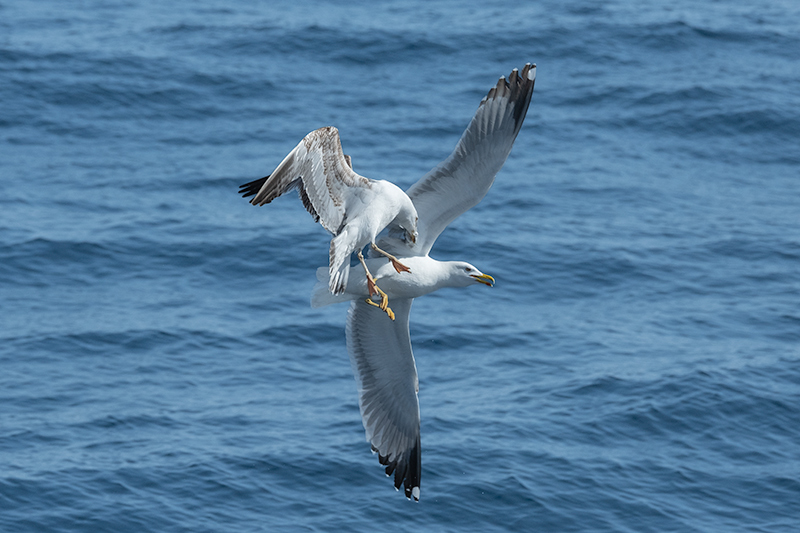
[(635, 369)]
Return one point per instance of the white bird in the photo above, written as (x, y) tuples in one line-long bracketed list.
[(380, 349), (353, 208)]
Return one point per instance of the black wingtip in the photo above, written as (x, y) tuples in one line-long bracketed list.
[(252, 188), (521, 92), (407, 470), (518, 87), (414, 472)]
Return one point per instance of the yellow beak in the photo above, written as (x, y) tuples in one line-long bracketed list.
[(486, 279)]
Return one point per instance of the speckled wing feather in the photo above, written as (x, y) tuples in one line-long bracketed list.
[(384, 367), (320, 171), (461, 181)]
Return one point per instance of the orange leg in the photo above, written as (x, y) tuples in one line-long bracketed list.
[(398, 266)]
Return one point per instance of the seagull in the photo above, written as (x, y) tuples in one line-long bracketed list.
[(380, 349), (353, 208)]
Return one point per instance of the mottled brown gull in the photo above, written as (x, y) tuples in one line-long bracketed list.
[(353, 208)]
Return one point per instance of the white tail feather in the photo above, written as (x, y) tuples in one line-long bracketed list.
[(339, 264), (322, 295), (338, 280)]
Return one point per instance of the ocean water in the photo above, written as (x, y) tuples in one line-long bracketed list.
[(636, 368)]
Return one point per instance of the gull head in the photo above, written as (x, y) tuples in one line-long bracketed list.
[(463, 274), (407, 219), (412, 235)]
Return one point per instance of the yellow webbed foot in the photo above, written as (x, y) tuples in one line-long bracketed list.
[(384, 298), (386, 309)]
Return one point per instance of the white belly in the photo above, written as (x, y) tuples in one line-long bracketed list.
[(423, 278)]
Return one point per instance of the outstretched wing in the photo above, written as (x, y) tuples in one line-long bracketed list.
[(383, 364), (320, 171), (461, 181)]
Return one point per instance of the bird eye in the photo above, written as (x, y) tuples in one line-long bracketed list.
[(467, 269)]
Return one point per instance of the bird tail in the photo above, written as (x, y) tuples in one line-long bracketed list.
[(339, 269), (322, 295)]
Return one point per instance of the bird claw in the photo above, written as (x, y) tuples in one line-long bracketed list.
[(398, 266), (374, 290), (382, 306)]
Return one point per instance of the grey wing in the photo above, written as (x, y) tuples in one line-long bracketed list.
[(461, 181), (383, 364), (320, 171)]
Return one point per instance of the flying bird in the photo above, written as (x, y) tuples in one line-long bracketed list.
[(380, 349), (353, 208)]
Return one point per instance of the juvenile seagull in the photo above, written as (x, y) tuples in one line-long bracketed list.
[(353, 208), (380, 349)]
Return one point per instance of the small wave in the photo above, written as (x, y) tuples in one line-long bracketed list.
[(36, 262), (333, 44)]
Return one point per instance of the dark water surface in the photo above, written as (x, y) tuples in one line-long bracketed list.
[(636, 368)]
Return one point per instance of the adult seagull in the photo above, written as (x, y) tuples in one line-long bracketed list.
[(380, 349), (353, 208)]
